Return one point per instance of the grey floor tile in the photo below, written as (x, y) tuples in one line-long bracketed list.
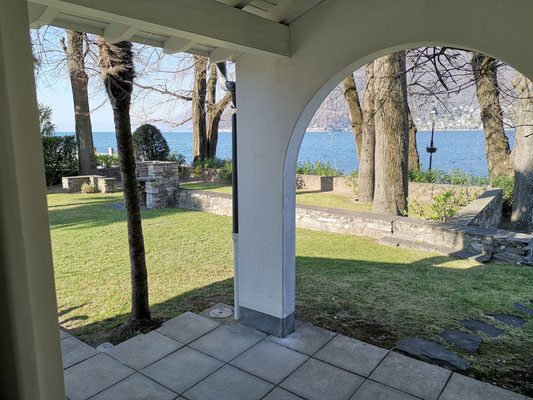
[(143, 350), (136, 387), (281, 394), (187, 327), (316, 380), (227, 342), (306, 339), (93, 375), (371, 390), (411, 376), (462, 387), (270, 361), (353, 355), (229, 383), (182, 369), (63, 334), (74, 351)]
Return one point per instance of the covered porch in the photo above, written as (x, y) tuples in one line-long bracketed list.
[(289, 55)]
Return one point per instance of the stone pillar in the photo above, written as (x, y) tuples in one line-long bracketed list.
[(162, 184), (30, 357)]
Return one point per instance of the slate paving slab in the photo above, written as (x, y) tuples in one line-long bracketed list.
[(488, 329), (142, 350), (524, 309), (462, 387), (181, 370), (63, 334), (316, 380), (371, 390), (229, 383), (431, 352), (74, 351), (136, 387), (270, 361), (511, 320), (94, 375), (464, 340), (307, 339), (187, 327), (352, 355), (227, 342), (281, 394), (411, 376)]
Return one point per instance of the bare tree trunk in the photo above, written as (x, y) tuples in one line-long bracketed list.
[(199, 131), (116, 64), (82, 114), (414, 159), (488, 91), (214, 112), (392, 135), (522, 216), (368, 142), (354, 111)]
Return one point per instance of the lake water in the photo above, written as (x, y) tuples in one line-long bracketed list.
[(455, 149)]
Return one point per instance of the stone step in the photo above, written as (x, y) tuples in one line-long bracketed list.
[(431, 352), (466, 341), (445, 251)]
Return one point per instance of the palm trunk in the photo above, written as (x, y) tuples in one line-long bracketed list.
[(522, 216), (414, 160), (354, 111), (82, 115), (392, 135), (488, 90), (199, 131), (116, 63), (368, 142)]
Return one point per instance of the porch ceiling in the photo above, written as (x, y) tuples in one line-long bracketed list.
[(220, 29)]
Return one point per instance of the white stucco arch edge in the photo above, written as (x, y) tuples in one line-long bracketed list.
[(277, 99)]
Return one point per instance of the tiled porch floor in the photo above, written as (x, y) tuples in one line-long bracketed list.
[(196, 358)]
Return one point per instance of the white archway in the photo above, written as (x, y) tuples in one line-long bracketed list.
[(277, 99)]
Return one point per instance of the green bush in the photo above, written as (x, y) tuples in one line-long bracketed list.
[(177, 157), (454, 177), (149, 144), (60, 157), (214, 162), (318, 168), (226, 171), (87, 188), (107, 160), (505, 182)]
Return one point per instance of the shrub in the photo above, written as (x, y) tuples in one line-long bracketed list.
[(505, 182), (443, 207), (149, 144), (318, 168), (454, 177), (214, 162), (177, 157), (87, 188), (107, 160), (226, 171), (353, 180), (60, 157)]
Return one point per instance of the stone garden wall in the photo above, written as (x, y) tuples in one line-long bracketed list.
[(502, 245), (485, 211), (190, 174), (112, 172)]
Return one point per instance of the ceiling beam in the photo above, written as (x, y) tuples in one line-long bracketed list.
[(116, 32), (220, 54), (202, 21), (46, 17)]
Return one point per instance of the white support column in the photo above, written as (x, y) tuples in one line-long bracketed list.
[(30, 357)]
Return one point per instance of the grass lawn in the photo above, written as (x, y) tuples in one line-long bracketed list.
[(344, 283)]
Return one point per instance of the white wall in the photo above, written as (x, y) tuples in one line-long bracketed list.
[(277, 99)]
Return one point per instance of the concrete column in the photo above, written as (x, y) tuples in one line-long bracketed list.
[(30, 358)]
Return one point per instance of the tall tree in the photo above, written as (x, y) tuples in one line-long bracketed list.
[(392, 135), (354, 111), (485, 71), (368, 140), (522, 216), (414, 159), (199, 130), (214, 112), (117, 69), (79, 80)]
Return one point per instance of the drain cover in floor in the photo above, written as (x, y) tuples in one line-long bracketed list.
[(511, 320), (466, 341), (476, 325), (222, 312)]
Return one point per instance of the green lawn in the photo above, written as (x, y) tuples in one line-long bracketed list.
[(344, 283)]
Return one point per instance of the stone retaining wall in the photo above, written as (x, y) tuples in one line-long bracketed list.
[(112, 172), (502, 245), (485, 211)]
